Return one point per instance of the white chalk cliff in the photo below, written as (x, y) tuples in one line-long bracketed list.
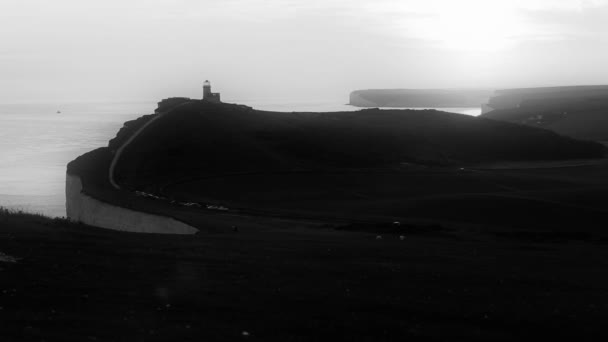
[(83, 208)]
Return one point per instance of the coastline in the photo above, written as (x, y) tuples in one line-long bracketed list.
[(81, 127), (84, 208), (518, 277)]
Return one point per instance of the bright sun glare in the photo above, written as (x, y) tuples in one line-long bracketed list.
[(469, 26)]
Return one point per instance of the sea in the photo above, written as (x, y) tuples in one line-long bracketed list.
[(37, 140)]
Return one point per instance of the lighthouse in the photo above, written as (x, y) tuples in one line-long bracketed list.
[(208, 95)]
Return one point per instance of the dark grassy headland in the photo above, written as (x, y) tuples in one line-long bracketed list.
[(579, 112), (503, 233)]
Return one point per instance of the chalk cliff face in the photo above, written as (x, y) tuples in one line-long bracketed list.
[(413, 98), (90, 199), (358, 99), (89, 210)]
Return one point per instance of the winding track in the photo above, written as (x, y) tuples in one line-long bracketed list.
[(511, 192), (131, 138)]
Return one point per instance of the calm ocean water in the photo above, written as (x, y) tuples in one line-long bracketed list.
[(36, 143)]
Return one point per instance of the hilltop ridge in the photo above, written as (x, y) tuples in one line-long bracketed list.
[(205, 138), (364, 165)]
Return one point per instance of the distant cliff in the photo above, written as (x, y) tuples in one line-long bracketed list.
[(546, 96), (414, 98), (580, 111)]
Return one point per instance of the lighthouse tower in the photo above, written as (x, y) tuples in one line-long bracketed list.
[(208, 95)]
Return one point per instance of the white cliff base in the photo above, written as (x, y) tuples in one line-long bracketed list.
[(88, 210)]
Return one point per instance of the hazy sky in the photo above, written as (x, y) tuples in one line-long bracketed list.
[(63, 50)]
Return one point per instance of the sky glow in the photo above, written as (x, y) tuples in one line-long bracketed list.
[(123, 50)]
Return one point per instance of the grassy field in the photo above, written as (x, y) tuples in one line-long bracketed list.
[(288, 280), (553, 198)]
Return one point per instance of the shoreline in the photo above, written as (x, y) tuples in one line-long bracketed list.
[(101, 126)]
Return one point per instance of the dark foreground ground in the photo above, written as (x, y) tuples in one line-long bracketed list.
[(293, 281)]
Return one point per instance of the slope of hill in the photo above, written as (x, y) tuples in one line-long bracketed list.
[(364, 166), (512, 98), (579, 112), (206, 138)]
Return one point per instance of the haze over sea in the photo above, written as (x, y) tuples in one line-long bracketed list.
[(37, 142)]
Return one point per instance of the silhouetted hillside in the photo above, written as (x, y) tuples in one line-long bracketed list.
[(411, 98), (579, 112), (203, 138)]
